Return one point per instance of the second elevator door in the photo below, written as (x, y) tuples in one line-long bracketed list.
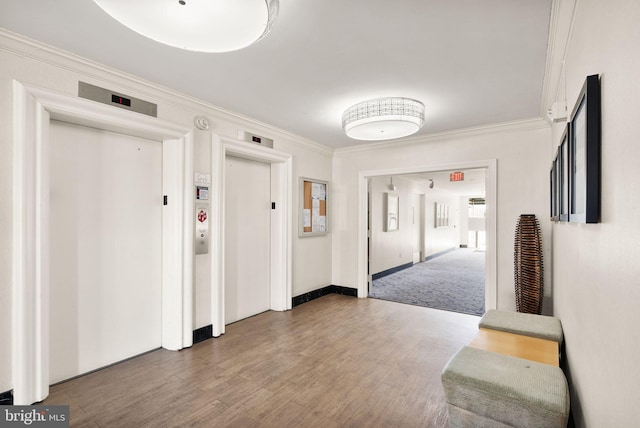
[(247, 238)]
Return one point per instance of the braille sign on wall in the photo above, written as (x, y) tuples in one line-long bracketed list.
[(202, 193)]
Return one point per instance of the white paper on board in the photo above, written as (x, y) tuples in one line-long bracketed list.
[(318, 191), (322, 224), (306, 217)]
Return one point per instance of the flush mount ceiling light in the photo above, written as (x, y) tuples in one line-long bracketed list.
[(383, 119), (197, 25)]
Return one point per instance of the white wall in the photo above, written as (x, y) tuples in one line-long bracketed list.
[(42, 66), (595, 267), (392, 249), (202, 269), (438, 239), (311, 254), (395, 248), (521, 151)]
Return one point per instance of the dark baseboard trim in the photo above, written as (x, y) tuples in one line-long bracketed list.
[(329, 289), (6, 398), (311, 295), (345, 291), (202, 333), (441, 253), (390, 271)]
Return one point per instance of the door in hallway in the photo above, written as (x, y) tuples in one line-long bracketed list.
[(105, 248), (247, 238)]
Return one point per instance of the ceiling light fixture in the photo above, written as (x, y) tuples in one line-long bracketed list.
[(201, 26), (383, 118)]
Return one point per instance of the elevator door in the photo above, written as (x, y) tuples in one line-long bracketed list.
[(105, 248), (247, 238)]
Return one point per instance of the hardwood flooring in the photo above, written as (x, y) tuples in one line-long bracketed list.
[(336, 361)]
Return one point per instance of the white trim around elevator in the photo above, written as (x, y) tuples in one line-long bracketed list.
[(281, 223), (33, 109)]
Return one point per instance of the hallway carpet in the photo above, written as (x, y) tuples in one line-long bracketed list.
[(453, 282)]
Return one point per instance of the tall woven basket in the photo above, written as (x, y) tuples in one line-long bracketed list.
[(528, 271)]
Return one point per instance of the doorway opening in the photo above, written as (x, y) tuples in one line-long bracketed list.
[(428, 262), (477, 228), (431, 217)]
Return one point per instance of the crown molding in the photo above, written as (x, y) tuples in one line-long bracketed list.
[(497, 128), (25, 47)]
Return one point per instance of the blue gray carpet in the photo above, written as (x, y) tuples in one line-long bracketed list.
[(453, 282)]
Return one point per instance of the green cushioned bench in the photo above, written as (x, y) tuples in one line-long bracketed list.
[(541, 326), (487, 389)]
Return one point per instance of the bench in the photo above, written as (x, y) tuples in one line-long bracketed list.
[(540, 326), (488, 389)]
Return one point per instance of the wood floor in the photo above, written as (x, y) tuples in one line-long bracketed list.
[(336, 361)]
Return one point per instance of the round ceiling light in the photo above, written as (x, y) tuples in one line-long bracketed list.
[(383, 118), (196, 25)]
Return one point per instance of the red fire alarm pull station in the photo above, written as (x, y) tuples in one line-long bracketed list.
[(202, 216), (456, 176)]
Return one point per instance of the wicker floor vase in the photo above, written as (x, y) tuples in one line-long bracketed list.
[(528, 269)]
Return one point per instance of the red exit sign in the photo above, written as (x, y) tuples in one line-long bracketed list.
[(456, 176)]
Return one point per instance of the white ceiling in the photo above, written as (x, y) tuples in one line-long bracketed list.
[(471, 62)]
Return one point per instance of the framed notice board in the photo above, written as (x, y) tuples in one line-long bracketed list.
[(314, 213)]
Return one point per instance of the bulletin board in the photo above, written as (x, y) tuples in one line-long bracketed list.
[(314, 213)]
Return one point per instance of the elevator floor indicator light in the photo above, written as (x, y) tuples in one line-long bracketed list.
[(112, 98), (120, 100)]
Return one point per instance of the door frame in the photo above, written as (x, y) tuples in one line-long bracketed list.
[(491, 188), (33, 109), (281, 223), (418, 221)]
